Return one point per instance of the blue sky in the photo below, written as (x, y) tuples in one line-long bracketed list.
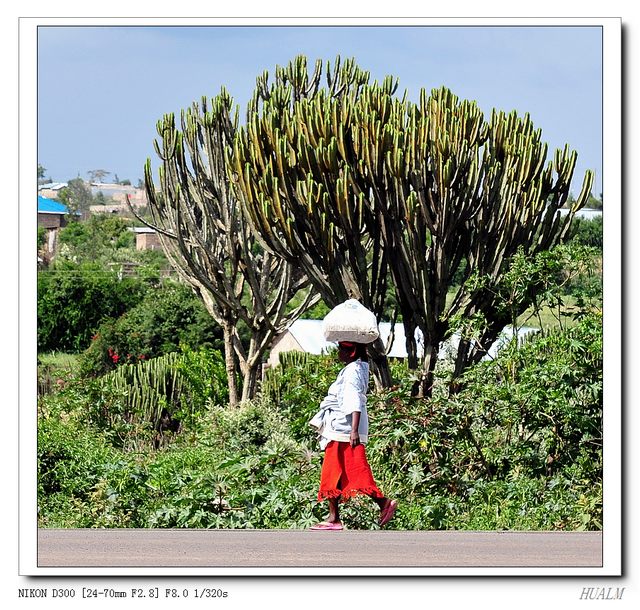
[(102, 89)]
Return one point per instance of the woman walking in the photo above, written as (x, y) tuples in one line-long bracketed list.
[(343, 426)]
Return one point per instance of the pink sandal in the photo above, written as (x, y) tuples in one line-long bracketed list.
[(326, 525), (387, 513)]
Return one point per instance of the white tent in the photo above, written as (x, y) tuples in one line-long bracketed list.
[(306, 336)]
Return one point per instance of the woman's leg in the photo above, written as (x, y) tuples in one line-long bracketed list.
[(358, 479), (387, 509), (334, 510), (381, 502), (331, 484)]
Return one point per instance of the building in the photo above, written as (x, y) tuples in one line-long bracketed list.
[(52, 216), (118, 193), (147, 239), (51, 190)]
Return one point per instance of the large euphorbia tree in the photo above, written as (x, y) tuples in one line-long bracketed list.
[(351, 182)]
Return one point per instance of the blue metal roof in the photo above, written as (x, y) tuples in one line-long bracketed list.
[(51, 206)]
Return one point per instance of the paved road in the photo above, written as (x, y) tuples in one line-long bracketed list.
[(299, 548)]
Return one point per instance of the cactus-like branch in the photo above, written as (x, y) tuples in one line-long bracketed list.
[(202, 231)]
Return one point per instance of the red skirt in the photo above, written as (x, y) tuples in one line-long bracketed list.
[(346, 472)]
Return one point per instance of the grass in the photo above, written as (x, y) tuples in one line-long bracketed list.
[(58, 360), (547, 318), (54, 368)]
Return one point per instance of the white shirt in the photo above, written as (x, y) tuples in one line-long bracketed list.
[(346, 395)]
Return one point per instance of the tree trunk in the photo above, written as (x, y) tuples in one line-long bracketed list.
[(461, 364), (230, 363), (250, 381), (380, 365), (410, 343), (423, 387), (472, 352)]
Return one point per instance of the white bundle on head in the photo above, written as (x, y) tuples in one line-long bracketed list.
[(350, 321)]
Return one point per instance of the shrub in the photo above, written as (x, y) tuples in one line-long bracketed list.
[(55, 370), (84, 481), (587, 232), (519, 445), (169, 316), (73, 299), (263, 486), (546, 400), (180, 387), (71, 461)]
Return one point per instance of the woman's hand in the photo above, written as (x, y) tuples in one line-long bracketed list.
[(354, 437)]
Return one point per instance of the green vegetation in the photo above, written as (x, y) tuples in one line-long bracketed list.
[(588, 232), (74, 298), (518, 447), (86, 300), (168, 316), (152, 442)]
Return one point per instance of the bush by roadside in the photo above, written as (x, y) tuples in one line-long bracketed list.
[(518, 447)]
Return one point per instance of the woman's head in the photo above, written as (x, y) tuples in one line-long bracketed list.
[(349, 351)]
